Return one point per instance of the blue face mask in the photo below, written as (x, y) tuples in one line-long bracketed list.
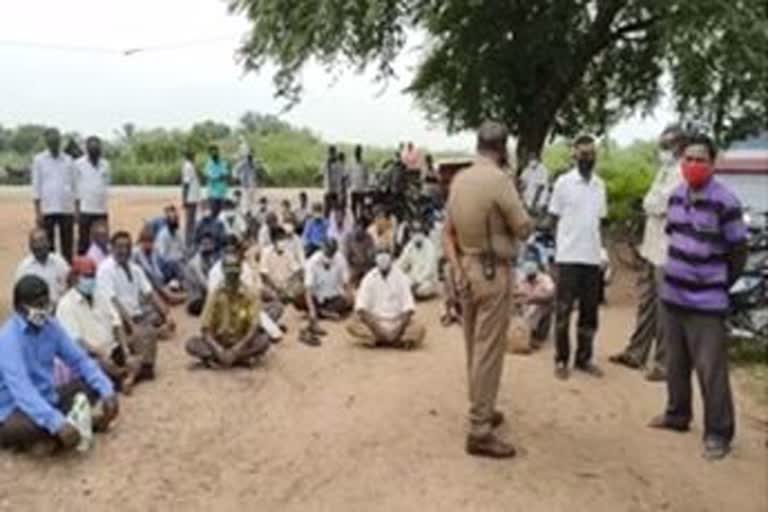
[(86, 285)]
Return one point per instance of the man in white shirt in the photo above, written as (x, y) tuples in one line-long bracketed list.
[(133, 303), (190, 194), (48, 266), (89, 324), (99, 248), (419, 263), (54, 189), (578, 206), (385, 308), (328, 294), (654, 250), (535, 184), (248, 172), (281, 271), (93, 180)]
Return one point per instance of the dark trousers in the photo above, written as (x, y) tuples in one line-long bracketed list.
[(19, 432), (190, 220), (648, 327), (87, 220), (697, 341), (357, 200), (580, 283), (66, 225)]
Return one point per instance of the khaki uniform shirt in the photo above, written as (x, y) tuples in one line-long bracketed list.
[(486, 211), (230, 317)]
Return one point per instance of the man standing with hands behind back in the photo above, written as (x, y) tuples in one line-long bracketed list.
[(54, 191), (578, 206), (485, 221)]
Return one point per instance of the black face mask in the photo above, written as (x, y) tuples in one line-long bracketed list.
[(173, 225), (586, 166), (41, 254)]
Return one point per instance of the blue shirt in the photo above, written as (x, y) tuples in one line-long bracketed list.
[(218, 179), (315, 232), (212, 226), (26, 371)]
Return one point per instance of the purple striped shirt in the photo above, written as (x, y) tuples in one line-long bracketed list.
[(703, 227)]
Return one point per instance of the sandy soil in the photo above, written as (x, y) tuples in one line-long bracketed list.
[(341, 428)]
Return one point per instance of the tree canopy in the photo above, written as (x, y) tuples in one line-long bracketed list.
[(545, 67)]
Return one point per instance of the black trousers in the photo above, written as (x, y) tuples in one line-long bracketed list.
[(580, 283), (696, 341), (357, 200), (87, 220), (65, 222)]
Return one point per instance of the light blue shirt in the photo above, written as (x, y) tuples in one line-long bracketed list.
[(218, 179), (26, 371)]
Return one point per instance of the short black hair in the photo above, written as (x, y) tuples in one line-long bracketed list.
[(582, 139), (120, 235), (702, 139), (29, 289)]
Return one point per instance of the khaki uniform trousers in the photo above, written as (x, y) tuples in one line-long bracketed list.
[(413, 336), (487, 305)]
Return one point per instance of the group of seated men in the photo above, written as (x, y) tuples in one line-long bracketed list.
[(94, 326)]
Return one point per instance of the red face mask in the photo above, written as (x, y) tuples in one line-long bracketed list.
[(697, 174)]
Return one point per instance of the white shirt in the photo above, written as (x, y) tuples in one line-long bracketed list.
[(189, 177), (419, 264), (114, 283), (247, 276), (92, 185), (385, 298), (54, 183), (233, 222), (170, 247), (654, 247), (535, 177), (54, 272), (296, 247), (279, 267), (264, 238), (579, 206), (326, 283), (86, 322), (358, 177)]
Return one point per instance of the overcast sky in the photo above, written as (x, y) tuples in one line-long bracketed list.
[(89, 86)]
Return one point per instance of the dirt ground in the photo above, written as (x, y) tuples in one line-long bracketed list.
[(341, 428)]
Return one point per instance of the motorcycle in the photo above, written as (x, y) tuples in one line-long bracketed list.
[(748, 315)]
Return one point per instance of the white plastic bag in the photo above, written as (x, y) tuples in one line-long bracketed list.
[(80, 417)]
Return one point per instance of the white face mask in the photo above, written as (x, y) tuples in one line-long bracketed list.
[(384, 261), (38, 316), (667, 158)]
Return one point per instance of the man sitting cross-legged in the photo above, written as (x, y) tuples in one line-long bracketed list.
[(231, 334), (281, 271), (328, 294), (132, 301), (47, 265), (32, 410), (419, 263), (167, 282), (385, 308), (87, 320)]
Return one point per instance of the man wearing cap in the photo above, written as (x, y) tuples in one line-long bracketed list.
[(230, 331), (88, 322), (33, 412), (385, 307), (485, 221)]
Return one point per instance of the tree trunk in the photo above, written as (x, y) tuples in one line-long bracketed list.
[(530, 140)]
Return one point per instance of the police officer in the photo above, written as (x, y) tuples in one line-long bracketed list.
[(485, 220)]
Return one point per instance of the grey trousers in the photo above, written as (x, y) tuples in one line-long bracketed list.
[(698, 342), (648, 327)]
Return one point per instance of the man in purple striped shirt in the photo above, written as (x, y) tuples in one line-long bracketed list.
[(707, 252)]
